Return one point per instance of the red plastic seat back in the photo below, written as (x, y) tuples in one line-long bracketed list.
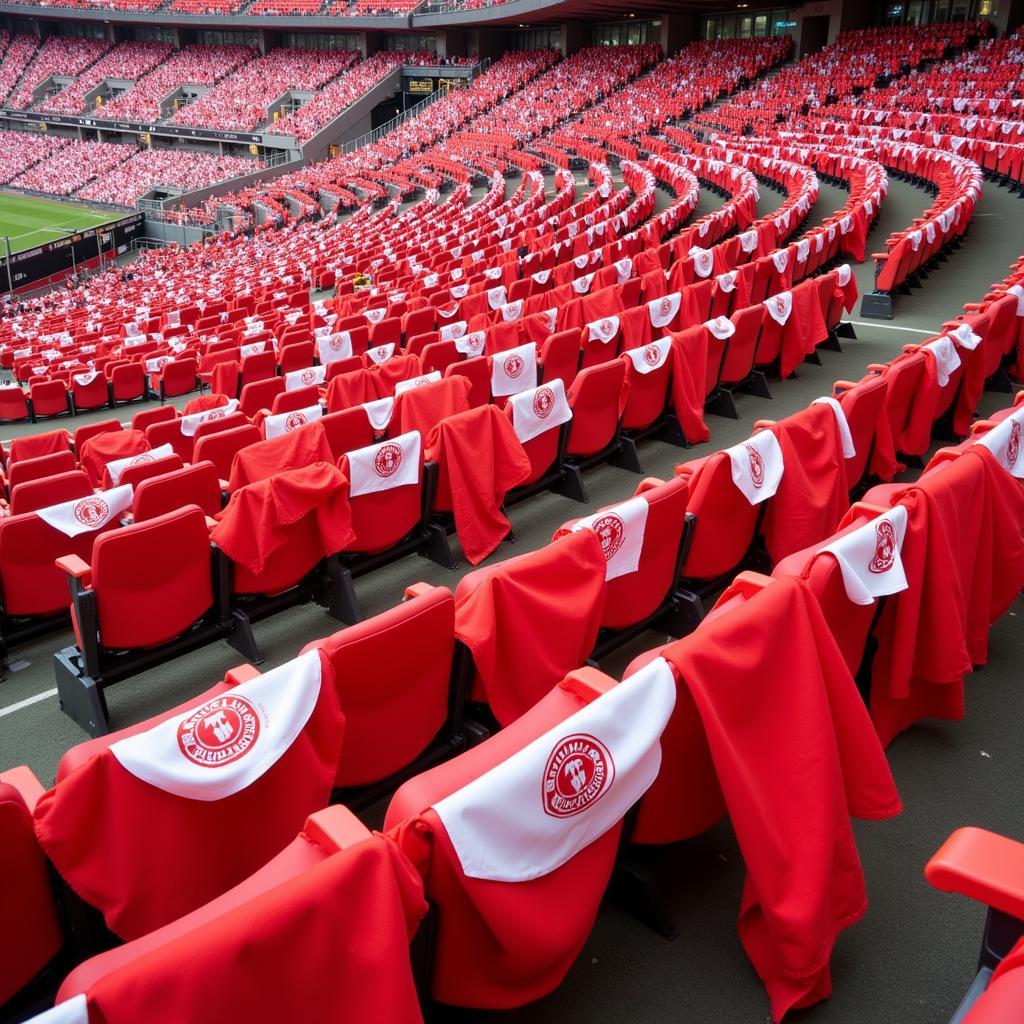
[(298, 553), (152, 579), (197, 484), (158, 414), (299, 398), (384, 690), (35, 445), (260, 366), (128, 382), (169, 432), (179, 377), (260, 394), (560, 357), (648, 395), (381, 519), (49, 490), (347, 430), (82, 434), (30, 933), (135, 475), (13, 403), (93, 395), (739, 357), (217, 426), (478, 373), (863, 406), (37, 469), (221, 447), (725, 521), (541, 450), (296, 355), (594, 398), (49, 398)]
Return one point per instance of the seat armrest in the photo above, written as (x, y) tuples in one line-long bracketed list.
[(982, 426), (762, 425), (588, 683), (842, 385), (417, 590), (877, 367), (648, 484), (23, 779), (336, 828), (750, 583), (74, 566), (242, 674), (867, 509), (983, 866)]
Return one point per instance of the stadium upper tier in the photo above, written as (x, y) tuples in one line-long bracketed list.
[(355, 9)]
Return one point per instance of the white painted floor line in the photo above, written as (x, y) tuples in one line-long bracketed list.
[(27, 702), (890, 327)]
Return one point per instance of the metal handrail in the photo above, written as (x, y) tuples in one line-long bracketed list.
[(389, 126)]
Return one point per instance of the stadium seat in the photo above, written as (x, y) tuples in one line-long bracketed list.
[(49, 399), (221, 446), (197, 484), (13, 404), (128, 384), (178, 377), (39, 468), (49, 490)]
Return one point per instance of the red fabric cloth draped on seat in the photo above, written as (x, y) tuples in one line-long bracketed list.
[(144, 855), (104, 448), (689, 371), (479, 461), (256, 521), (293, 450), (795, 756), (351, 913), (531, 619), (813, 494)]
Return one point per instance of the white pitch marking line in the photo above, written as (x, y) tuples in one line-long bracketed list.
[(27, 702), (890, 327)]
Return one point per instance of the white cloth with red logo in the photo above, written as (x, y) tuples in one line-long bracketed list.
[(118, 466), (663, 311), (1004, 442), (286, 422), (92, 512), (721, 327), (246, 729), (381, 467), (500, 825), (382, 353), (869, 557), (849, 449), (650, 357), (305, 377), (190, 424), (332, 347), (947, 359), (779, 307), (703, 261), (471, 345), (757, 466), (965, 337), (603, 330), (417, 382), (514, 370), (451, 332), (379, 413), (540, 409), (620, 529)]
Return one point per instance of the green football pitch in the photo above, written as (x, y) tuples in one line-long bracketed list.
[(29, 222)]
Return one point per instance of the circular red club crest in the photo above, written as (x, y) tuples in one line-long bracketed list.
[(666, 306), (91, 511), (308, 375), (1013, 445), (885, 547), (780, 306), (334, 342), (387, 460), (579, 772), (611, 531), (652, 355), (513, 367), (543, 403), (606, 328), (756, 465), (216, 414), (295, 420), (219, 732), (142, 458)]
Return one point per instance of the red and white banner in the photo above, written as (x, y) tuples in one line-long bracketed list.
[(540, 409), (84, 515), (721, 327), (471, 345), (603, 330), (869, 557), (381, 467), (452, 332), (118, 466), (514, 371), (227, 743), (539, 808), (620, 529), (965, 337), (190, 424), (779, 307), (703, 261), (331, 347), (286, 422), (757, 466), (304, 378)]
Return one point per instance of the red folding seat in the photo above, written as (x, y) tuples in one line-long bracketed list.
[(89, 391), (260, 366), (13, 404), (335, 880), (388, 492), (82, 434), (33, 445), (347, 430), (419, 321), (478, 372), (158, 414), (863, 405), (169, 432), (296, 356), (111, 365), (48, 399), (218, 424), (560, 357), (439, 356), (282, 735), (415, 344), (648, 374), (37, 469), (149, 586), (197, 484), (297, 398), (597, 398), (30, 931), (383, 693), (260, 394), (178, 377), (541, 419), (128, 384), (644, 540), (49, 490), (517, 880), (342, 366), (221, 447), (135, 475), (738, 366)]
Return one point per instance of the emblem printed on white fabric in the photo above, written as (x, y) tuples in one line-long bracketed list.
[(579, 772), (387, 460), (543, 402), (513, 366), (756, 466), (91, 511), (1013, 444), (219, 732), (295, 420), (886, 546), (652, 355), (308, 376), (611, 531)]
